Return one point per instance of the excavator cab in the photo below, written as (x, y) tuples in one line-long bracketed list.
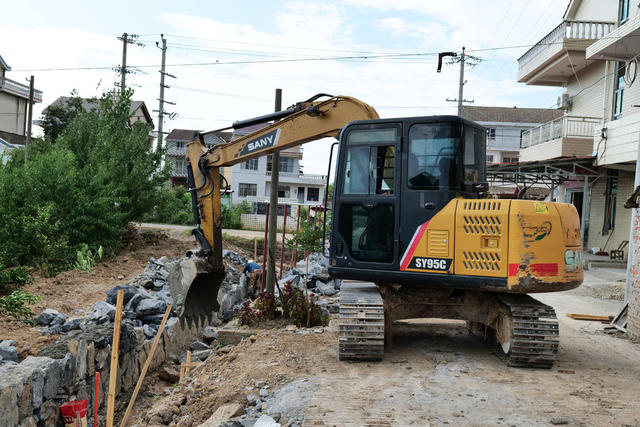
[(392, 176)]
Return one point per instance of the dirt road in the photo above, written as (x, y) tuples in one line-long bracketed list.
[(436, 374)]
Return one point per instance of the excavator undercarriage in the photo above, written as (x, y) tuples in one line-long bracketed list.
[(522, 331)]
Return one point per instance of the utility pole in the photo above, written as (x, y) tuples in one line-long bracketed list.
[(30, 120), (464, 60), (161, 100), (273, 209), (126, 39)]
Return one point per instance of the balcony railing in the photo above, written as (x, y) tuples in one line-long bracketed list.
[(300, 175), (19, 89), (576, 30), (563, 127)]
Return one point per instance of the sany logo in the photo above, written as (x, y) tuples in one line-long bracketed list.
[(268, 140)]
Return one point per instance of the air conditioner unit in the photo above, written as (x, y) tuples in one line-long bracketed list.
[(564, 101)]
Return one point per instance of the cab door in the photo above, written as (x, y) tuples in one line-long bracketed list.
[(366, 203)]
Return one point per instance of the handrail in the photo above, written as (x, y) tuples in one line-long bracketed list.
[(582, 30), (562, 127), (19, 89)]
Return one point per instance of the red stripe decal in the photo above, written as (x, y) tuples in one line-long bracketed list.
[(414, 244), (536, 269), (545, 269), (513, 269)]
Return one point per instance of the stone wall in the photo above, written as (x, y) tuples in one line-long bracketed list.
[(32, 391)]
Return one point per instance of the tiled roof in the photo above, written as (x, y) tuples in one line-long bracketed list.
[(510, 114), (181, 135), (4, 65), (91, 104)]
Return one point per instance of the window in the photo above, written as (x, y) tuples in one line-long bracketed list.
[(180, 144), (284, 191), (623, 13), (245, 190), (610, 197), (250, 165), (285, 164), (619, 90), (491, 133), (489, 158), (370, 170), (181, 167), (512, 159), (313, 194), (432, 156)]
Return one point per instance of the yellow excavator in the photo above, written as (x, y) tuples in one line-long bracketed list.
[(413, 233)]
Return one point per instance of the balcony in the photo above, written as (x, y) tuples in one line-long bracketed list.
[(19, 89), (621, 44), (300, 177), (561, 53), (567, 136)]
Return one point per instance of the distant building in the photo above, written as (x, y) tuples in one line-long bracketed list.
[(176, 144), (251, 180), (14, 99), (506, 126), (138, 109)]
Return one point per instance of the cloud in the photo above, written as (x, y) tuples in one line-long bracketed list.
[(212, 96)]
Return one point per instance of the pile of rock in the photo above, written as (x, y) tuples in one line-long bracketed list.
[(318, 281), (31, 391), (8, 352)]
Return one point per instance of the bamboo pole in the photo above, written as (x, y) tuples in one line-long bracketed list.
[(255, 249), (147, 362), (113, 372)]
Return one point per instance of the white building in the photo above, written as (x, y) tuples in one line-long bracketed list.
[(251, 180), (505, 127), (14, 100)]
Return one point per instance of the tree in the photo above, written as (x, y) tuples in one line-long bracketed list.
[(55, 118)]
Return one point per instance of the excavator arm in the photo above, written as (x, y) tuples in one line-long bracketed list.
[(195, 281)]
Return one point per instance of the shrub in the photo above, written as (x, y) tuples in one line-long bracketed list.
[(172, 206), (246, 315), (100, 174), (18, 276), (16, 305), (85, 259), (301, 310), (266, 305), (231, 217)]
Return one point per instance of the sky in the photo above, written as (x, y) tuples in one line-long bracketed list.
[(229, 57)]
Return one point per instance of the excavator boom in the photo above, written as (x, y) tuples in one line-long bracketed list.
[(195, 281)]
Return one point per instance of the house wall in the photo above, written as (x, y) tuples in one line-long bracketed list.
[(600, 10), (263, 181), (12, 113), (596, 213), (587, 91), (560, 147)]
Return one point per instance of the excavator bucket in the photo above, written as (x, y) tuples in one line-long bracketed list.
[(194, 283)]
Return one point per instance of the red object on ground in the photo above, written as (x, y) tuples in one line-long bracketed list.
[(95, 401), (74, 413)]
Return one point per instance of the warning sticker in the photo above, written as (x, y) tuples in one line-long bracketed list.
[(541, 208)]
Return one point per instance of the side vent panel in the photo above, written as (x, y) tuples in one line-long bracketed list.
[(481, 238)]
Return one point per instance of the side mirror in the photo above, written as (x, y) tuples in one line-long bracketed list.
[(480, 187)]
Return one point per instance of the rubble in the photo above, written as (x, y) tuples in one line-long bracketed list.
[(65, 371)]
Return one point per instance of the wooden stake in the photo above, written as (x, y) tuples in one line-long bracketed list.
[(147, 362), (113, 372), (593, 317), (184, 368), (255, 249)]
